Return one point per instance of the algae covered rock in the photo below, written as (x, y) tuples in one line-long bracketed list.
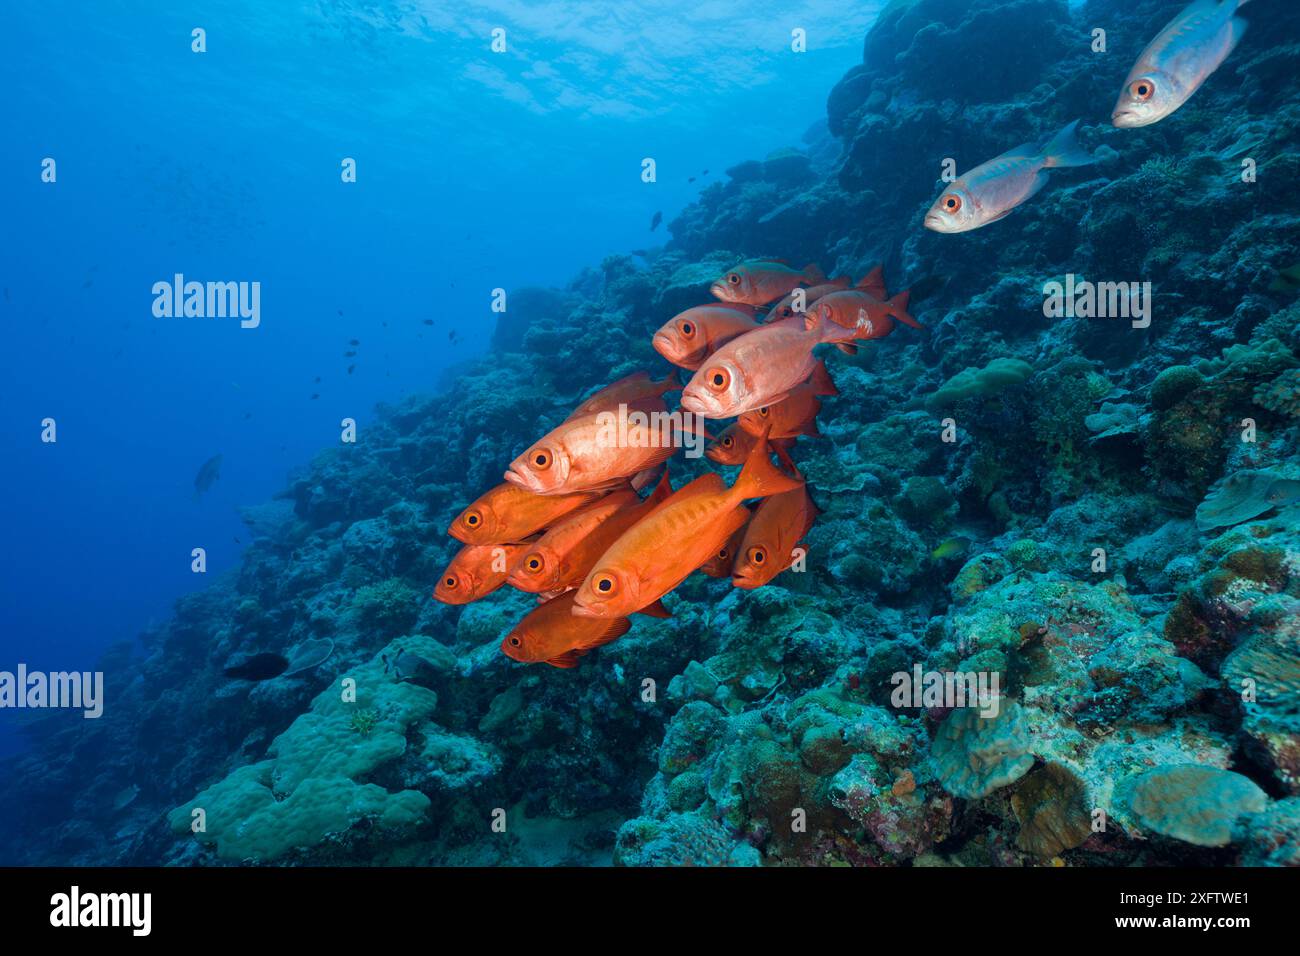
[(1193, 803), (973, 755)]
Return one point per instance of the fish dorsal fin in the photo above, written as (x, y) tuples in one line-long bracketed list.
[(612, 631), (662, 491), (873, 283)]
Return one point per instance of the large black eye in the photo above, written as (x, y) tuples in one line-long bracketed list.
[(717, 379), (472, 519), (728, 442), (723, 554), (757, 555), (952, 202), (534, 563), (515, 642), (688, 329), (541, 459), (763, 411), (1143, 90), (450, 582), (734, 278), (604, 584)]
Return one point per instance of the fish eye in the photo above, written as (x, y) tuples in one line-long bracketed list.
[(1143, 89), (605, 583), (757, 555), (728, 442), (473, 520), (514, 641), (952, 203), (534, 563), (723, 554), (688, 329), (717, 379), (734, 278), (541, 459), (450, 582), (763, 411)]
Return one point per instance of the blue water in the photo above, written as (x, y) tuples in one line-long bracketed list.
[(475, 170)]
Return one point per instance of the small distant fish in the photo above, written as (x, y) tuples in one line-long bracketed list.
[(761, 281), (350, 354), (428, 321), (1175, 64), (209, 472), (315, 396), (259, 667), (410, 668), (657, 218), (354, 342), (451, 336), (340, 311), (317, 379), (350, 368), (691, 179), (705, 173), (993, 190)]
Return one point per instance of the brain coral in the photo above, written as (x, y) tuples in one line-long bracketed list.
[(1193, 803), (973, 755)]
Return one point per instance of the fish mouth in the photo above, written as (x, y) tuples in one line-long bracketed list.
[(516, 476), (664, 345), (581, 610), (743, 582), (720, 291), (455, 532), (934, 221), (699, 403), (1126, 119)]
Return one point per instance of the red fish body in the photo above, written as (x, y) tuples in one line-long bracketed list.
[(509, 513), (552, 633), (868, 316), (689, 337), (771, 536), (476, 571), (630, 390), (761, 281)]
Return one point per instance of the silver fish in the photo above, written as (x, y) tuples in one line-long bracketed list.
[(1178, 61), (990, 192)]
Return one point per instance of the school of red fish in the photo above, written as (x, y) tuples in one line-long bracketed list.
[(569, 522)]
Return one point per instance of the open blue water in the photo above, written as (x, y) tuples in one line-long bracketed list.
[(475, 171)]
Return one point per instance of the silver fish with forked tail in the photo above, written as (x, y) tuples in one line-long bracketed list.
[(1178, 61), (990, 192)]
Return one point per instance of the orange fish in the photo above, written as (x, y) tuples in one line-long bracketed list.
[(689, 337), (477, 570), (760, 367), (682, 533), (734, 444), (629, 390), (551, 632), (509, 513), (869, 317), (719, 566), (767, 549), (761, 281), (600, 450), (795, 415), (562, 557), (785, 308)]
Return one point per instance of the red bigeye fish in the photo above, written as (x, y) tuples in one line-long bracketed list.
[(734, 444), (563, 557), (795, 415), (599, 450), (509, 513), (867, 316), (759, 368), (663, 548), (552, 633), (992, 191), (761, 281), (631, 390), (1182, 57), (767, 549), (719, 566), (786, 307), (477, 570), (687, 338)]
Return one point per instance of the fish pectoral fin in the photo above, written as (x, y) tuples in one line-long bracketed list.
[(656, 609), (612, 632), (566, 660)]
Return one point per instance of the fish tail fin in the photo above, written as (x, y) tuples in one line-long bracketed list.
[(813, 274), (760, 478), (662, 490), (821, 381), (782, 449), (873, 283), (898, 309), (1063, 150)]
